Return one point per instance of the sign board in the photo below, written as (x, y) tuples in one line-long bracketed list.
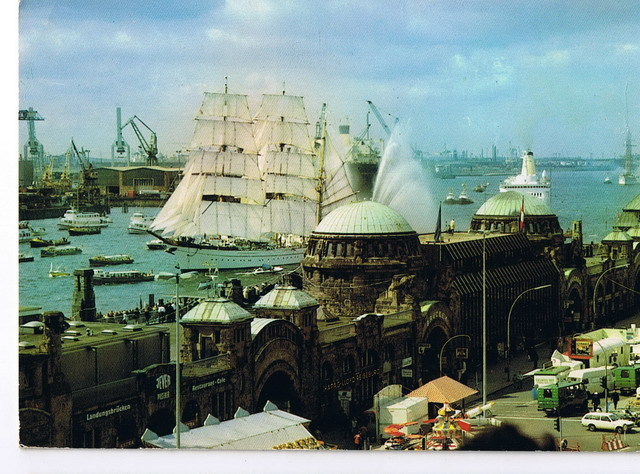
[(581, 348), (344, 395), (407, 373), (407, 362), (462, 353)]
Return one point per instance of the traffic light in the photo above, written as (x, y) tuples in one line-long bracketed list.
[(603, 382), (556, 424)]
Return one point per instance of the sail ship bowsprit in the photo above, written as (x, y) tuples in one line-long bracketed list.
[(252, 190)]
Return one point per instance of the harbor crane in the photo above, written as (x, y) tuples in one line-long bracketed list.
[(149, 147), (378, 115), (120, 147), (88, 189), (33, 149)]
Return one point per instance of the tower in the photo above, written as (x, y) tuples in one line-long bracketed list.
[(120, 148), (83, 307)]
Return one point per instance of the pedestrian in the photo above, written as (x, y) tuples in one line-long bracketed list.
[(357, 440), (596, 401), (615, 398)]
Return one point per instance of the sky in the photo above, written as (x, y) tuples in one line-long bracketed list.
[(548, 75)]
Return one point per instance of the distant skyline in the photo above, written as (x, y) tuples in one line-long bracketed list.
[(465, 75)]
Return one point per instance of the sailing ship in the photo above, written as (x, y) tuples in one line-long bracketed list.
[(628, 176), (528, 182), (252, 189)]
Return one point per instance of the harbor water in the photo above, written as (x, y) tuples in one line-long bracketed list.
[(574, 195)]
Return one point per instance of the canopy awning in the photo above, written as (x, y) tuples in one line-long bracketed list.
[(443, 390)]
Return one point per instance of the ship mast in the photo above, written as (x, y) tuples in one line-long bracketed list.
[(321, 172)]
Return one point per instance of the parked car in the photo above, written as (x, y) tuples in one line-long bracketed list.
[(627, 414), (606, 421)]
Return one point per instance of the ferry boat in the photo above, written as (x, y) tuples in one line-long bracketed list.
[(101, 277), (74, 218), (254, 187), (139, 223), (84, 230), (103, 260), (527, 182), (24, 258), (56, 251), (38, 242)]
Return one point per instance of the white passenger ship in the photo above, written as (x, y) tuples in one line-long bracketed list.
[(74, 218), (527, 182)]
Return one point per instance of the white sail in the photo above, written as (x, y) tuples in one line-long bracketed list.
[(216, 105), (275, 106), (337, 190)]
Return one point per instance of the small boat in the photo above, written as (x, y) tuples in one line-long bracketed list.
[(100, 277), (481, 188), (24, 258), (102, 260), (56, 251), (26, 232), (463, 198), (607, 180), (156, 244), (139, 223), (57, 272), (264, 269), (39, 242), (450, 199), (84, 230)]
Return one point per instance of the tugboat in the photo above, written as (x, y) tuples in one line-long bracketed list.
[(463, 198), (450, 199)]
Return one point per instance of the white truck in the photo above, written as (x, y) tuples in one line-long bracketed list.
[(592, 378)]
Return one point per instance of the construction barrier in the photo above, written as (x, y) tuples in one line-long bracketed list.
[(612, 444)]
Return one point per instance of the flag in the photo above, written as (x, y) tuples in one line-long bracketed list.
[(437, 237), (522, 215)]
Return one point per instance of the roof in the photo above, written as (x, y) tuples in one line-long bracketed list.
[(260, 431), (633, 205), (134, 168), (363, 218), (617, 236), (286, 297), (634, 231), (443, 390), (510, 203), (258, 324), (216, 310), (626, 219)]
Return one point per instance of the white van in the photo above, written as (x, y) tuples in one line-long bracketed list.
[(592, 378)]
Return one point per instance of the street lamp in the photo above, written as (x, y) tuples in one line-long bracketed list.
[(606, 377), (446, 342), (595, 288), (484, 321), (509, 317), (177, 317)]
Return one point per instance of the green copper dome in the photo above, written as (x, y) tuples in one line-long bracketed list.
[(216, 310), (362, 218), (510, 203)]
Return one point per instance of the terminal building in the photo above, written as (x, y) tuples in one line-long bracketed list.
[(379, 304)]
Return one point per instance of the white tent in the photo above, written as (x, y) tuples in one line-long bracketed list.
[(260, 431)]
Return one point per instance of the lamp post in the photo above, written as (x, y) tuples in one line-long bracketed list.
[(446, 342), (509, 318), (606, 378), (177, 317), (595, 288), (484, 321)]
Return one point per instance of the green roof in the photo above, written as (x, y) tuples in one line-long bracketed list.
[(366, 217), (216, 310), (617, 236), (510, 203), (286, 297), (633, 205)]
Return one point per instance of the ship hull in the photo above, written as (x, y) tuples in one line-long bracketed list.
[(200, 258), (362, 177)]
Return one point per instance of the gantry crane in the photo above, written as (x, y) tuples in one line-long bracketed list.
[(88, 189), (33, 149), (149, 147)]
